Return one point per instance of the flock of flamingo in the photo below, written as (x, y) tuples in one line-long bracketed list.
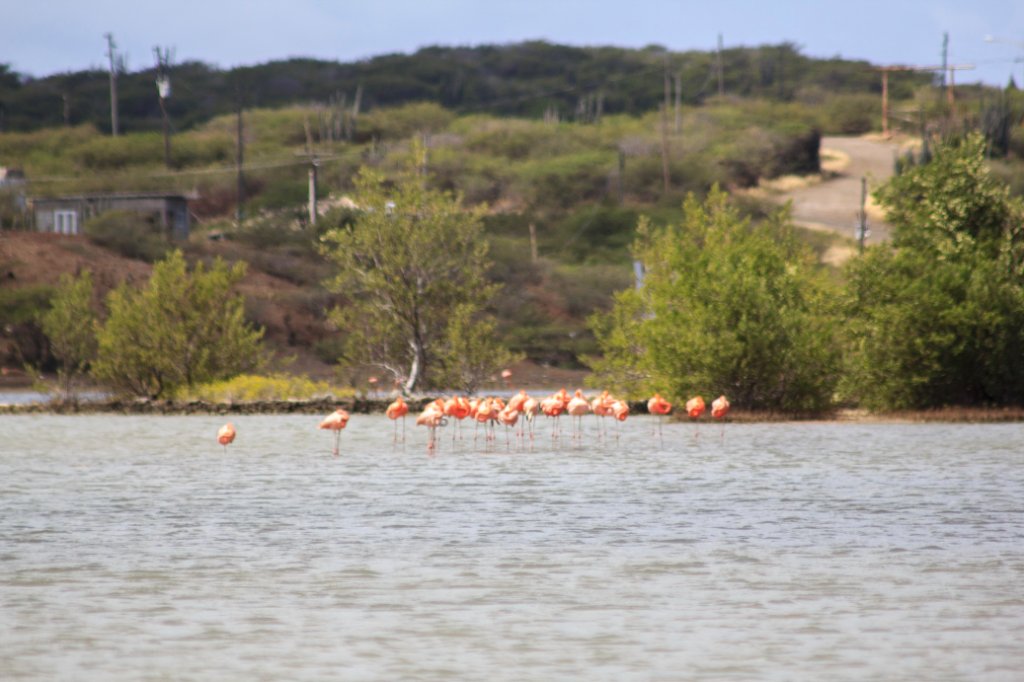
[(518, 415)]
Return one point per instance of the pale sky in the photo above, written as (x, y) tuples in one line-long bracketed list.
[(52, 36)]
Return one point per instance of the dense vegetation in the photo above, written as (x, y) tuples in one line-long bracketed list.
[(937, 316), (733, 300), (523, 79), (725, 306)]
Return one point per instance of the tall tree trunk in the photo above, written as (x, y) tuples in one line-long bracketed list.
[(417, 365)]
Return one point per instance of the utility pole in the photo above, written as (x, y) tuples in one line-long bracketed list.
[(111, 46), (313, 164), (163, 89), (664, 148), (951, 84), (667, 87), (719, 69), (862, 215), (240, 196), (622, 176), (679, 95), (885, 89), (945, 56)]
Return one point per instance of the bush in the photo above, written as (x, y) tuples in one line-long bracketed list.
[(725, 307), (129, 234), (255, 387)]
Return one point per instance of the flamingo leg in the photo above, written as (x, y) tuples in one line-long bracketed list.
[(337, 442)]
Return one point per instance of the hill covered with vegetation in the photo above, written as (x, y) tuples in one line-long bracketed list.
[(565, 148), (520, 79)]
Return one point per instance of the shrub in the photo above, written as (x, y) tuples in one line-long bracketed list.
[(129, 234), (255, 387)]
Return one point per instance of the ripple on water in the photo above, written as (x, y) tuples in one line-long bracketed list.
[(135, 547)]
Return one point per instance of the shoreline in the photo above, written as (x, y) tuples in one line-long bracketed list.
[(362, 405)]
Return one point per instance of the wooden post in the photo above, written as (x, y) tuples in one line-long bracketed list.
[(885, 103), (862, 230), (312, 190), (664, 149), (679, 95), (240, 188), (622, 176), (113, 83), (533, 243)]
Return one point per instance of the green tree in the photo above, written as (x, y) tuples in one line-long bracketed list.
[(412, 257), (180, 330), (937, 316), (726, 306), (472, 353), (70, 327)]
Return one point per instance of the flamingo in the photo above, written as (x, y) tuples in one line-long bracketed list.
[(601, 406), (553, 406), (486, 413), (432, 417), (397, 410), (508, 418), (335, 421), (620, 410), (531, 406), (577, 407), (226, 435), (720, 407), (660, 406), (695, 407)]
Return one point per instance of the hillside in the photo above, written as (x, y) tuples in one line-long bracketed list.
[(519, 79)]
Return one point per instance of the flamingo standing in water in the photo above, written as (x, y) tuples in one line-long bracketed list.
[(397, 410), (432, 417), (226, 435), (508, 417), (335, 421), (720, 407), (553, 406), (659, 406), (619, 410), (531, 407), (577, 407), (695, 408), (601, 406), (458, 408)]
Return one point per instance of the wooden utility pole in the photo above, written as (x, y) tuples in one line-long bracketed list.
[(622, 176), (885, 89), (719, 68), (111, 46), (679, 95), (239, 157), (862, 215), (950, 84), (163, 88), (664, 148), (313, 164)]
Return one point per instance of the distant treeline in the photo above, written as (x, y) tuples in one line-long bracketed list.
[(523, 79)]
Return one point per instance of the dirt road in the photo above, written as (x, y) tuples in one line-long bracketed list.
[(833, 203)]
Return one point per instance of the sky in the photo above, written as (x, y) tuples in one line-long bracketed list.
[(53, 36)]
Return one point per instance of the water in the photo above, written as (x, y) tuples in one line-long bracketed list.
[(135, 548)]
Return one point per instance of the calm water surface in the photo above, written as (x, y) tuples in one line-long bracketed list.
[(135, 548)]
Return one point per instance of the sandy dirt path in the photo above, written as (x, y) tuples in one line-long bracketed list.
[(833, 203)]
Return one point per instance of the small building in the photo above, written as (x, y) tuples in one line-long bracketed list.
[(66, 215)]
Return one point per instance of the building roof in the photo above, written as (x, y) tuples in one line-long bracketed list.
[(118, 195)]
